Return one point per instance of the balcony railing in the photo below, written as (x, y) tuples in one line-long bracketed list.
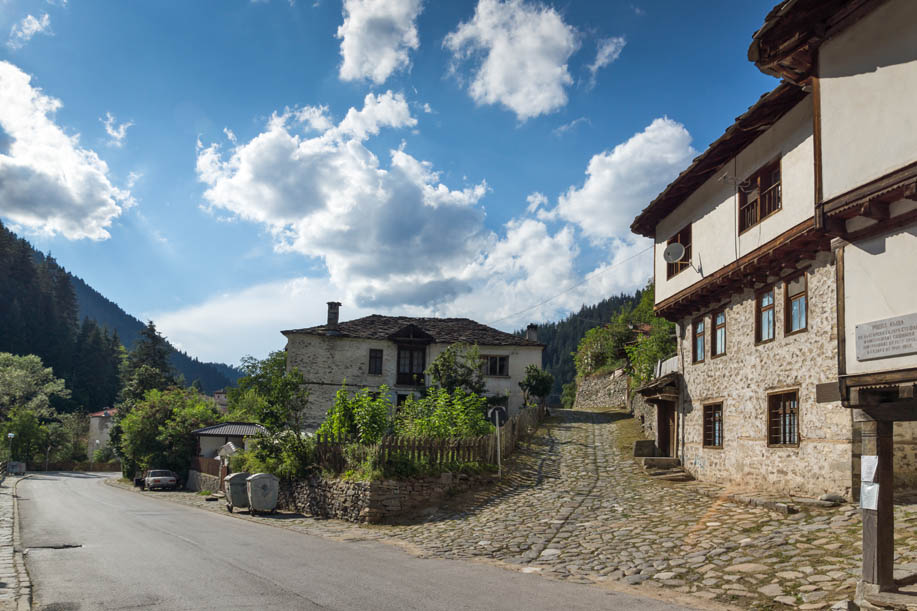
[(753, 211)]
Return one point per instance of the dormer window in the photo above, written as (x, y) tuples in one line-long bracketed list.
[(683, 237), (759, 196)]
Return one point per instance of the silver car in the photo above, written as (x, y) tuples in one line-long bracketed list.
[(160, 478)]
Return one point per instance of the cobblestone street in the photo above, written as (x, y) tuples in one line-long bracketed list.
[(575, 509)]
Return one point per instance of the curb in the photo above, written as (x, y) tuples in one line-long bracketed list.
[(24, 590)]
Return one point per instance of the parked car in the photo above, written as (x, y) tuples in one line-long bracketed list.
[(160, 478)]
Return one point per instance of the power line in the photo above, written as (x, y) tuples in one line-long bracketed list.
[(577, 285)]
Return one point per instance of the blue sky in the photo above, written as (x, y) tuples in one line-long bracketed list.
[(226, 168)]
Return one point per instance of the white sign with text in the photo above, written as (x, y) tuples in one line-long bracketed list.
[(884, 338)]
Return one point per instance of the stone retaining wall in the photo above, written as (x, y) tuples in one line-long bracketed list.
[(645, 413), (198, 481), (602, 391), (372, 502)]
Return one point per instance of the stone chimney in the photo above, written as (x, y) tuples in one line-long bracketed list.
[(531, 332), (334, 310)]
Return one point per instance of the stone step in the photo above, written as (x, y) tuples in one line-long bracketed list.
[(676, 477), (659, 462), (893, 600)]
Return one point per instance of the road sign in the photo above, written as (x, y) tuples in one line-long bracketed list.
[(497, 415)]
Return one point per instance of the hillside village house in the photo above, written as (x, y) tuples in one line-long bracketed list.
[(859, 59), (394, 351), (766, 301)]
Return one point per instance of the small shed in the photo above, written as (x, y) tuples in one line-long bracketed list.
[(211, 438)]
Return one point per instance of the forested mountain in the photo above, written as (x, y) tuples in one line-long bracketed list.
[(561, 338), (46, 311), (96, 306)]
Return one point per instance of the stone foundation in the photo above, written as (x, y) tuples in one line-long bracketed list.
[(372, 502), (602, 391), (198, 481), (645, 413)]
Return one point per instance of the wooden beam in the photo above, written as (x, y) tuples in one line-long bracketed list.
[(875, 210), (879, 523), (835, 226)]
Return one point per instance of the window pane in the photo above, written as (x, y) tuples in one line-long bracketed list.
[(767, 299), (767, 325), (699, 326), (699, 347), (720, 318), (720, 344)]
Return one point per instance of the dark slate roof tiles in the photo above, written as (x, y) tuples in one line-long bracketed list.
[(443, 330), (230, 429)]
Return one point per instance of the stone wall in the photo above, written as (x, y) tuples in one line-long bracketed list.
[(906, 455), (743, 377), (645, 413), (602, 391), (198, 481), (372, 502)]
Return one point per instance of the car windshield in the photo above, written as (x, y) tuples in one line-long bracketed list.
[(160, 474)]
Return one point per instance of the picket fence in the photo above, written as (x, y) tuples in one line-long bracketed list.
[(329, 451)]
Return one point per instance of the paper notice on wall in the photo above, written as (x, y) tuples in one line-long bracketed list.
[(869, 496), (868, 465)]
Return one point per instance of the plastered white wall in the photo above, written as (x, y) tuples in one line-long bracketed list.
[(879, 282), (713, 208), (868, 80)]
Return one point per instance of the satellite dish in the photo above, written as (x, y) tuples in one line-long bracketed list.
[(673, 252)]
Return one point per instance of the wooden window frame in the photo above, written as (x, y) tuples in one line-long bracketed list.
[(772, 397), (755, 182), (714, 327), (375, 358), (703, 337), (759, 315), (710, 411), (488, 359), (411, 378), (788, 303), (684, 238)]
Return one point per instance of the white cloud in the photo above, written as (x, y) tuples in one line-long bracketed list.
[(227, 327), (621, 182), (116, 132), (535, 200), (327, 196), (377, 37), (609, 49), (133, 178), (563, 129), (22, 32), (523, 50), (49, 183)]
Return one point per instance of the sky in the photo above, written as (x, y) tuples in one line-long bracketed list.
[(225, 168)]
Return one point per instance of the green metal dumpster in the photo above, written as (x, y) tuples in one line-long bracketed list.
[(236, 492)]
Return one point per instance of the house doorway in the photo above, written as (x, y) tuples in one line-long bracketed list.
[(665, 428)]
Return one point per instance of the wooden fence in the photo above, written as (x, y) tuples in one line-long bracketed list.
[(329, 452), (210, 466)]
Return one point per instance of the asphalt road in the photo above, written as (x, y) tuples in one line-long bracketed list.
[(138, 552)]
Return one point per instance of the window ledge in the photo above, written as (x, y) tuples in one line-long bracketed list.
[(766, 341), (713, 447), (796, 332)]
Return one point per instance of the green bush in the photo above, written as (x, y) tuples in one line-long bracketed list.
[(359, 416), (441, 414)]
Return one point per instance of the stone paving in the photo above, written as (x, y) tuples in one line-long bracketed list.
[(573, 508), (10, 568)]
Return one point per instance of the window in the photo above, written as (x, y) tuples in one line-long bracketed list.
[(698, 351), (683, 237), (764, 316), (718, 337), (402, 399), (796, 307), (411, 363), (783, 419), (497, 366), (375, 362), (759, 196), (713, 425)]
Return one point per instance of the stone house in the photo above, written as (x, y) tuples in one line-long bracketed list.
[(755, 281), (859, 60), (377, 350), (99, 428)]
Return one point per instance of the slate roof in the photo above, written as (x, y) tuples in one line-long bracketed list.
[(443, 330), (230, 429)]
